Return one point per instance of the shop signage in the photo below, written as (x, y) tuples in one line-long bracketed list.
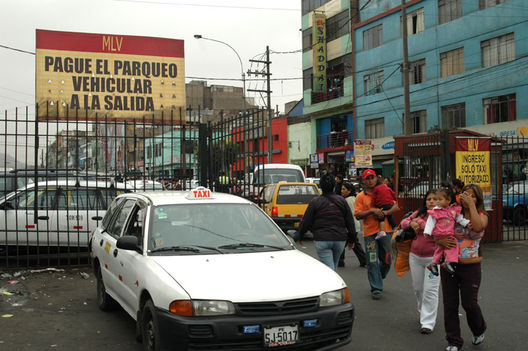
[(363, 153), (314, 161), (108, 76), (473, 164), (319, 52)]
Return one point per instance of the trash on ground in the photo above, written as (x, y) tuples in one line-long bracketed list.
[(46, 270), (84, 275), (7, 315)]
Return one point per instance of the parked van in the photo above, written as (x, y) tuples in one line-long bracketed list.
[(271, 173)]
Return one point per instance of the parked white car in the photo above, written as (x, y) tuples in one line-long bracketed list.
[(57, 213), (201, 270)]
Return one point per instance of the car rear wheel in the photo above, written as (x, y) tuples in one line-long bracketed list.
[(149, 328), (105, 302), (519, 216)]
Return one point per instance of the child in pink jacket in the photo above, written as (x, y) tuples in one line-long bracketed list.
[(441, 224)]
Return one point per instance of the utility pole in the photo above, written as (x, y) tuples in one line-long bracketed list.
[(405, 70), (268, 91)]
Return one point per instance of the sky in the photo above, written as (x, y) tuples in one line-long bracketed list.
[(246, 25)]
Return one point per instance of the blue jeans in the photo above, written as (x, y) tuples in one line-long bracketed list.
[(379, 259), (329, 252)]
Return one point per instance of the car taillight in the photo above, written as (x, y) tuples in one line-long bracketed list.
[(274, 211)]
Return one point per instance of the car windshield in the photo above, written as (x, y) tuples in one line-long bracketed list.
[(296, 193), (209, 227), (269, 176)]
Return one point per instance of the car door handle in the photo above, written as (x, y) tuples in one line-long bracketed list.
[(97, 218), (115, 252), (43, 217), (101, 242)]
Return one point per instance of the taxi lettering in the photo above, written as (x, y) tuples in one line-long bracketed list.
[(202, 193)]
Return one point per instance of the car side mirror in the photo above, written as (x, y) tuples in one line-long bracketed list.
[(128, 242)]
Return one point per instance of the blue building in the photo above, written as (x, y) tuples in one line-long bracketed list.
[(468, 68)]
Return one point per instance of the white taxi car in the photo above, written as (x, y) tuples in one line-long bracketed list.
[(200, 270), (56, 212)]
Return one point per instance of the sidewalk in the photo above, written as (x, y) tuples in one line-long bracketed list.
[(56, 310)]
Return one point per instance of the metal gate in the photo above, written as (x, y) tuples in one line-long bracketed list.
[(66, 172), (424, 162)]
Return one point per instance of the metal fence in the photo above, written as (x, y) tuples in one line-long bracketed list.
[(58, 177)]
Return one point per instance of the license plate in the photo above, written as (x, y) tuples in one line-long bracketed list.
[(296, 224), (280, 336)]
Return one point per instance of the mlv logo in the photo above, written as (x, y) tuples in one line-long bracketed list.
[(388, 145)]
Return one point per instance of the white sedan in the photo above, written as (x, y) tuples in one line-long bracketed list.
[(201, 270)]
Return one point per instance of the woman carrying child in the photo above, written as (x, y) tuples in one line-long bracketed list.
[(425, 286), (463, 286)]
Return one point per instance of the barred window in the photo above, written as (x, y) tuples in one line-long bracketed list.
[(417, 122), (417, 72), (415, 22), (373, 83), (454, 116)]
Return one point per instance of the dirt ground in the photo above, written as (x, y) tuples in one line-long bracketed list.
[(58, 309)]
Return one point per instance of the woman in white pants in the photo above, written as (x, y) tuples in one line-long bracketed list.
[(425, 285)]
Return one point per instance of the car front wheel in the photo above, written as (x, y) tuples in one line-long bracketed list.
[(149, 328), (105, 302)]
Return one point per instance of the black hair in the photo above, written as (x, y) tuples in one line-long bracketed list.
[(446, 189), (423, 211), (458, 183), (327, 183), (350, 187)]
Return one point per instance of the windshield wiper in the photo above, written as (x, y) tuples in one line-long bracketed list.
[(176, 248), (250, 245), (209, 248)]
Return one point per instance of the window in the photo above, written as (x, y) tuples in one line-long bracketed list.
[(307, 39), (337, 26), (417, 72), (484, 4), (417, 122), (454, 116), (498, 50), (372, 37), (373, 83), (79, 199), (415, 22), (375, 128), (114, 228), (310, 5), (500, 109), (449, 10), (452, 62)]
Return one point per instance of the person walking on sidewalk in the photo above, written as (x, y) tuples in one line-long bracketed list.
[(425, 286), (348, 191), (379, 253), (330, 219), (463, 286)]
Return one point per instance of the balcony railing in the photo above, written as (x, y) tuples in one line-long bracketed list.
[(335, 139)]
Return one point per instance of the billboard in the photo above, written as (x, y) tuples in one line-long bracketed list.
[(319, 52), (107, 76)]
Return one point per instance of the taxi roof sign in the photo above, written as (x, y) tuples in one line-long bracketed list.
[(200, 193)]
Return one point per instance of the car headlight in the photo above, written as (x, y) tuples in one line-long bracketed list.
[(212, 308), (334, 298), (201, 308)]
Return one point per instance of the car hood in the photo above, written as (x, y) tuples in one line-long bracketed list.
[(251, 277)]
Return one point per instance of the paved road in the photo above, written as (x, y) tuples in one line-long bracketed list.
[(57, 310)]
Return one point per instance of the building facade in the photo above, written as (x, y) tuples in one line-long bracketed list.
[(327, 78), (467, 68)]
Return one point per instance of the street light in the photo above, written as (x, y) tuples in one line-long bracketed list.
[(199, 36)]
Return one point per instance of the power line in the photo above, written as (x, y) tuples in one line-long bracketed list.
[(15, 49)]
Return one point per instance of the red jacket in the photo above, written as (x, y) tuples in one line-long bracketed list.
[(382, 195)]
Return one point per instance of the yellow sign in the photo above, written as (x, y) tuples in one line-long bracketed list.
[(319, 52), (473, 162), (91, 76)]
